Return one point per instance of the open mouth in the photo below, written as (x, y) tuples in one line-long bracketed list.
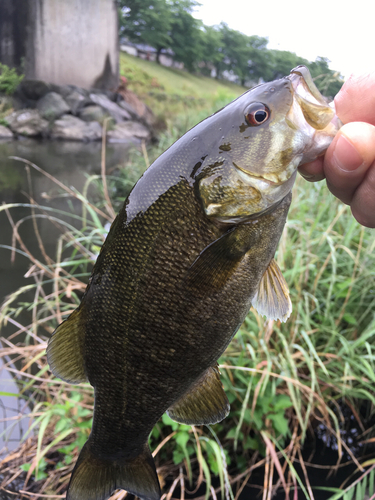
[(315, 108)]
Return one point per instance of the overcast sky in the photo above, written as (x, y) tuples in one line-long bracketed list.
[(341, 30)]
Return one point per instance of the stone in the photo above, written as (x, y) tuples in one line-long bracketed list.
[(52, 106), (93, 113), (76, 101), (70, 127), (66, 90), (119, 114), (27, 122), (128, 131), (5, 133), (33, 89), (129, 108), (143, 111), (112, 96)]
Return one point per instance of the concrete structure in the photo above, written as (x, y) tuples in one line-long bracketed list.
[(62, 42), (13, 18)]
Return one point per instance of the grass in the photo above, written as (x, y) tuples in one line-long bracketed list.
[(279, 378), (282, 380), (176, 96)]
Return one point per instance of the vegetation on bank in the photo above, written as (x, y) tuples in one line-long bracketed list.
[(9, 79), (282, 380)]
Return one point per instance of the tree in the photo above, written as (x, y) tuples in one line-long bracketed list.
[(185, 33), (328, 81), (146, 21), (212, 50), (283, 61), (245, 56)]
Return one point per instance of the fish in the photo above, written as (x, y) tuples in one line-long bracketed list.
[(189, 253)]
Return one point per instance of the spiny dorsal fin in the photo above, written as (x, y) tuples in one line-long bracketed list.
[(95, 478), (272, 298), (204, 403), (65, 349)]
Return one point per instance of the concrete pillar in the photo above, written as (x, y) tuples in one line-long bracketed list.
[(13, 18), (66, 41)]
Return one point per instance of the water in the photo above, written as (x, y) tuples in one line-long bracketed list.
[(70, 163)]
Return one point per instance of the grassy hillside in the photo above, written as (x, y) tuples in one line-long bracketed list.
[(173, 94)]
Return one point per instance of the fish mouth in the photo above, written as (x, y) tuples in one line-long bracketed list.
[(315, 108), (269, 179), (311, 115)]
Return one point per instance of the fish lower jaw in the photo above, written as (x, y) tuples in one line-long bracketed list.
[(259, 182)]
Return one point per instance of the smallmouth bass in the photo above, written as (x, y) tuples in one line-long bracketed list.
[(189, 253)]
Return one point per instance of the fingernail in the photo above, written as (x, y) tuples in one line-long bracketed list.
[(345, 155)]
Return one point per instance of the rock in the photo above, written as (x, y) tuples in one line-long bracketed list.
[(33, 89), (5, 133), (93, 113), (129, 108), (129, 131), (52, 106), (112, 96), (143, 111), (66, 90), (70, 127), (113, 109), (27, 122), (76, 101)]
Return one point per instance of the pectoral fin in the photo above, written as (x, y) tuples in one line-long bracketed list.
[(65, 349), (219, 260), (204, 403), (272, 298)]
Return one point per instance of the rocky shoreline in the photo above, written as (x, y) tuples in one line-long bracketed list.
[(67, 112)]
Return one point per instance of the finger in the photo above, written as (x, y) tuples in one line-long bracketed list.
[(312, 171), (349, 158), (363, 203), (356, 99)]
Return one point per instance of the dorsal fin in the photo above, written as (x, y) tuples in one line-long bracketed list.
[(272, 298), (204, 403)]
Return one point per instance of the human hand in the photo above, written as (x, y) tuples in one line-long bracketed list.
[(349, 163)]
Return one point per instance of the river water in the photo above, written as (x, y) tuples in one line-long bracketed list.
[(70, 163)]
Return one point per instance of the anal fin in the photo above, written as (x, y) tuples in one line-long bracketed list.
[(272, 298), (204, 403), (65, 349)]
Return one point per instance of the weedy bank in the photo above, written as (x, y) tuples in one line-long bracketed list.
[(284, 382)]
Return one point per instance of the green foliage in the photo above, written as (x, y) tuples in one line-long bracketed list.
[(169, 24), (185, 34), (146, 22), (163, 24), (362, 488), (9, 79)]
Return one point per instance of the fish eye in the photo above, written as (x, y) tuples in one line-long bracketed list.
[(256, 114)]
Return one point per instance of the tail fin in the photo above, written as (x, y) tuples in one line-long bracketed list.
[(97, 479)]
